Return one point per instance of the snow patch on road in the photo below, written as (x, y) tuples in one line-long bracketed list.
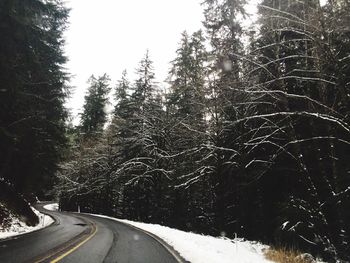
[(51, 207), (198, 248), (18, 227)]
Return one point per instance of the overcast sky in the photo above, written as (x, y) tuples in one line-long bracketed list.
[(108, 36)]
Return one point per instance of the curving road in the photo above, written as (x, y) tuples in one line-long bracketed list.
[(85, 238)]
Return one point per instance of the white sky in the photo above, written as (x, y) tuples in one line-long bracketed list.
[(108, 36)]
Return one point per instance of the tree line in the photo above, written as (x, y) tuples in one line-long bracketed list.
[(251, 137)]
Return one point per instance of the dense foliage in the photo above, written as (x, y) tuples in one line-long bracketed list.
[(32, 92), (252, 137)]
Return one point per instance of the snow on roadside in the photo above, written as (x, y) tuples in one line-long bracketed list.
[(51, 207), (200, 248), (18, 227)]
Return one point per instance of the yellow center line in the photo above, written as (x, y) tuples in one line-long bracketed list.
[(92, 233), (76, 247)]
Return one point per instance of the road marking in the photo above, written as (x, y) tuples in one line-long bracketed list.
[(91, 235), (76, 247)]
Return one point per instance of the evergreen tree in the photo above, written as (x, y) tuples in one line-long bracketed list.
[(94, 114), (33, 91), (122, 114), (227, 104), (121, 96), (141, 134), (187, 110)]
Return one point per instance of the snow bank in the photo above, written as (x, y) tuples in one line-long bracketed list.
[(18, 227), (202, 249), (51, 207)]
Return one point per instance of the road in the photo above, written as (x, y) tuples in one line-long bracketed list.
[(85, 238)]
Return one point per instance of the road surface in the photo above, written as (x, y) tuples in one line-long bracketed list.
[(84, 238)]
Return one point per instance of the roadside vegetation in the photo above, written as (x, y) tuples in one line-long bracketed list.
[(285, 255)]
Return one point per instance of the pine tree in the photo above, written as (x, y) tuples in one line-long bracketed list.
[(33, 90), (186, 110), (121, 96), (227, 105), (94, 114), (122, 114), (140, 169)]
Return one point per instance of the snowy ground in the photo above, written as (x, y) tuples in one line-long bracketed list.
[(51, 207), (194, 248), (199, 248), (18, 227)]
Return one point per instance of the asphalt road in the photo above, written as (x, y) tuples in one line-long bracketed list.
[(84, 238)]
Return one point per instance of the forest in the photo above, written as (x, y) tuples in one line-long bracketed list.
[(251, 135)]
